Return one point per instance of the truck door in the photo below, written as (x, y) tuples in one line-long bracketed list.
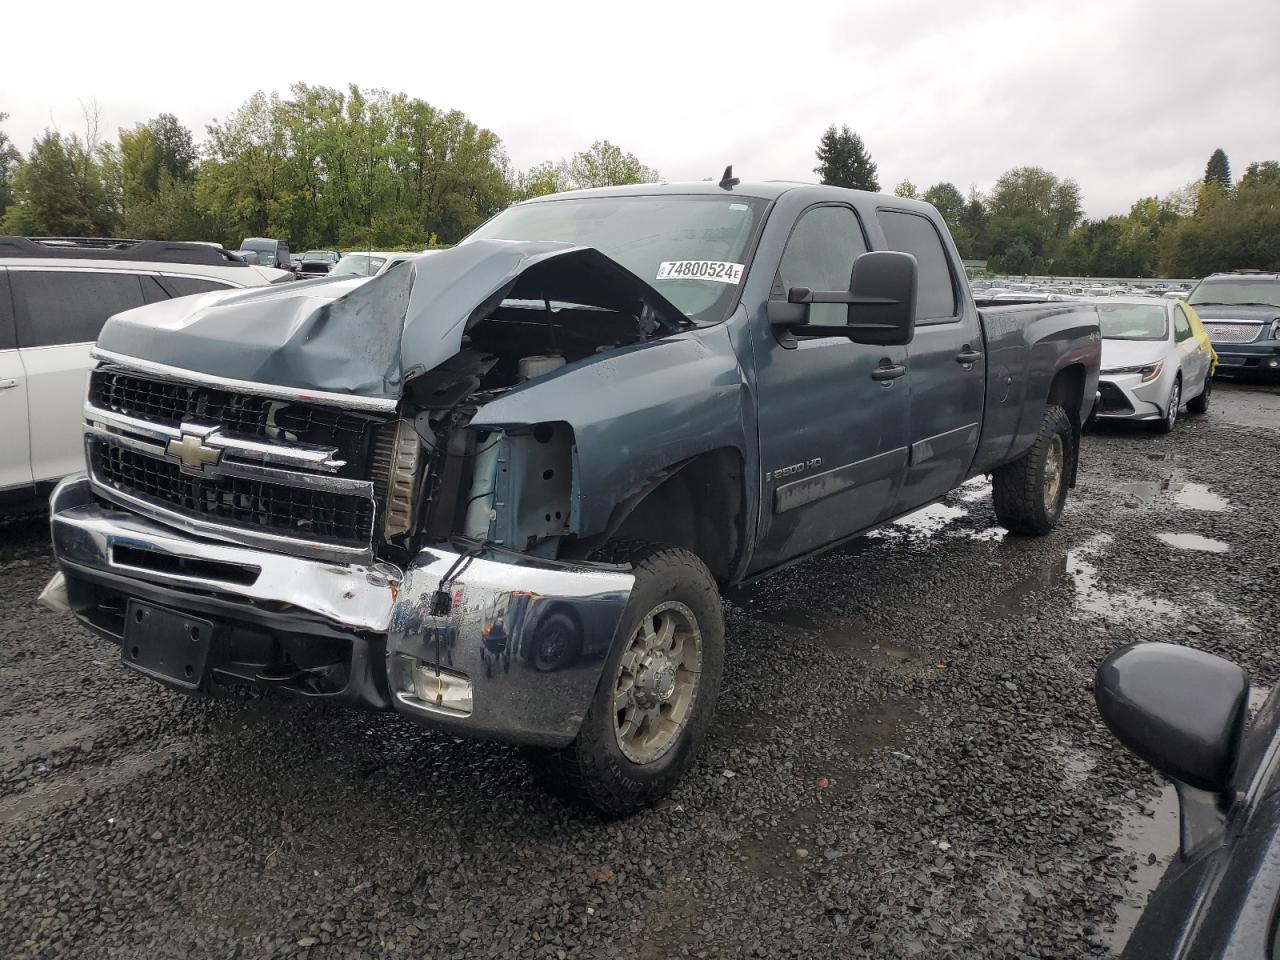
[(15, 451), (832, 413), (948, 372), (58, 315)]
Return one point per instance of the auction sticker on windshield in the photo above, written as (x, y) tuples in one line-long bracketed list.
[(716, 270)]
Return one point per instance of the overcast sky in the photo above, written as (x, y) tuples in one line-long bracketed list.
[(1128, 97)]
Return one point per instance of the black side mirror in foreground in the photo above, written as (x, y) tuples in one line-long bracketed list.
[(1183, 711), (881, 299)]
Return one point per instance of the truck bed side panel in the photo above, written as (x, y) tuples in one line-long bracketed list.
[(1027, 345)]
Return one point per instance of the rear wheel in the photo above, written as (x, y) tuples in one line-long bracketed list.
[(1200, 404), (1166, 423), (1030, 493), (657, 693)]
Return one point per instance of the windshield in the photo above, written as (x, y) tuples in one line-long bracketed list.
[(357, 265), (1237, 293), (692, 249), (318, 255), (1133, 321), (267, 250)]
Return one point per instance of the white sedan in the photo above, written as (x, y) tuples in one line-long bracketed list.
[(369, 263), (1156, 356)]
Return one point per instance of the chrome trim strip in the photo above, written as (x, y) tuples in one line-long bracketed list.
[(270, 390), (246, 471), (346, 595), (305, 455), (945, 442)]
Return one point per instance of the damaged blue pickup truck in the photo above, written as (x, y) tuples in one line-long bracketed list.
[(499, 489)]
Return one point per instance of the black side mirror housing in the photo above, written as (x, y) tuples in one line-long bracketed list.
[(1183, 711), (881, 300)]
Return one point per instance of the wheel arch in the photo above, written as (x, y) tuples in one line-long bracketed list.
[(1067, 391), (698, 504)]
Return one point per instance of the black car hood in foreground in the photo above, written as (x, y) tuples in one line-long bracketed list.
[(368, 337)]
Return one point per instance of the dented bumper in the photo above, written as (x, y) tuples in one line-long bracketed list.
[(487, 644)]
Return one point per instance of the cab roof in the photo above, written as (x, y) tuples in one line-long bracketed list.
[(757, 190)]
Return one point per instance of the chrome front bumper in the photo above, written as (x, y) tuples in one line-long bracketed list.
[(527, 637)]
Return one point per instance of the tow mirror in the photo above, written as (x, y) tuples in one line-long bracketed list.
[(1183, 711), (881, 299)]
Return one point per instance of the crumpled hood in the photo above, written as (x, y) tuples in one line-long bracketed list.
[(367, 337), (1132, 353)]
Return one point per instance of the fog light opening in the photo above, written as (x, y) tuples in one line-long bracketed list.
[(425, 687)]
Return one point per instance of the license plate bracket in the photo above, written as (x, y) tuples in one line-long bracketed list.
[(166, 645)]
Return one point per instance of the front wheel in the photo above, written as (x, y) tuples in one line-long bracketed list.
[(1166, 423), (657, 694), (1200, 404), (1030, 493)]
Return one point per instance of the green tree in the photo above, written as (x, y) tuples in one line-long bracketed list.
[(1032, 207), (1218, 169), (10, 160), (61, 190), (1230, 229), (1261, 175), (843, 160), (948, 200), (538, 181), (605, 165), (907, 190)]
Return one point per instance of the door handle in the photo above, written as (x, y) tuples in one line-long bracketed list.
[(968, 355), (7, 384), (888, 371)]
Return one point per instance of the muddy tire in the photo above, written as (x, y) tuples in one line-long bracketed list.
[(657, 693), (1200, 404), (1030, 493)]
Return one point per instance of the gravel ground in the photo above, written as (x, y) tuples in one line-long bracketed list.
[(906, 762)]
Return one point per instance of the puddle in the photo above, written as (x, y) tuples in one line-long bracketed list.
[(1257, 696), (971, 491), (1192, 541), (1092, 597), (1152, 841), (1019, 598), (1140, 494), (1076, 764), (866, 643), (929, 520), (1196, 496)]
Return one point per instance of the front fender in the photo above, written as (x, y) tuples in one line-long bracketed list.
[(637, 411)]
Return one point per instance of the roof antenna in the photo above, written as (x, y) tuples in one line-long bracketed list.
[(729, 181)]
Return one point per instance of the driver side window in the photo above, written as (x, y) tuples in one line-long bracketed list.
[(820, 255)]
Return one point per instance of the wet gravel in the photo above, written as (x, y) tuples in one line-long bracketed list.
[(906, 762)]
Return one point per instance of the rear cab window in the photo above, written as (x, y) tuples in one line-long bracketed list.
[(916, 234), (54, 307)]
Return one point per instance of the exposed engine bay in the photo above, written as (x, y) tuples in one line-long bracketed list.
[(440, 479)]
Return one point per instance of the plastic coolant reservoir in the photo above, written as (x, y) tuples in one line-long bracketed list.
[(530, 367)]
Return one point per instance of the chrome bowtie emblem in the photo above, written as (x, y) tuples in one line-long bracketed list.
[(192, 452)]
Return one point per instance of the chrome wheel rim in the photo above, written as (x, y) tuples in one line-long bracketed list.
[(657, 682), (1175, 401), (1053, 470)]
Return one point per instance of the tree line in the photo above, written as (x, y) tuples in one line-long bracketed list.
[(1031, 222), (324, 168), (319, 168)]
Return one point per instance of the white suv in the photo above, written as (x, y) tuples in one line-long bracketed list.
[(55, 295)]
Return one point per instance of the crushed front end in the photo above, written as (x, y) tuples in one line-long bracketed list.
[(370, 550)]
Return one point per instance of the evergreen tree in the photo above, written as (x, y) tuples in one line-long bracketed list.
[(843, 160), (1218, 170)]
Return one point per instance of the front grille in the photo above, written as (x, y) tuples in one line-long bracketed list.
[(256, 505), (1233, 332), (1112, 399), (173, 404)]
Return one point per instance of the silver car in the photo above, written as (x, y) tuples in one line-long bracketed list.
[(1153, 361)]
